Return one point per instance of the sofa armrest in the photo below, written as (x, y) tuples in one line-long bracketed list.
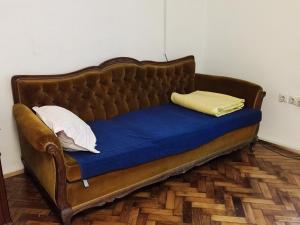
[(33, 129), (252, 93), (42, 139)]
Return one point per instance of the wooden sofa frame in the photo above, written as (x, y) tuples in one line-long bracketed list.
[(42, 154)]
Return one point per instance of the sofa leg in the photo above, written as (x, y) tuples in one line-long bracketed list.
[(252, 144), (66, 216)]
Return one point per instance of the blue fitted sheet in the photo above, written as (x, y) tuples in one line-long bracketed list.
[(152, 133)]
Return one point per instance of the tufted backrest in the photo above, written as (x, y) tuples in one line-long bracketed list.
[(116, 86)]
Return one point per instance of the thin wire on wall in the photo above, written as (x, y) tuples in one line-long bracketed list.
[(165, 31)]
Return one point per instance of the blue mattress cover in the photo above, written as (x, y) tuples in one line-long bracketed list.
[(152, 133)]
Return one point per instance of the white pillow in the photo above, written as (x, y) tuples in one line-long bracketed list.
[(73, 133)]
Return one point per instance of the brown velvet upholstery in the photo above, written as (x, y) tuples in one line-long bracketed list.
[(117, 86), (102, 93), (72, 169), (34, 130), (252, 93), (43, 167)]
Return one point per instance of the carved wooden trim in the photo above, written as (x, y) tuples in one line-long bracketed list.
[(61, 178), (259, 99), (257, 105)]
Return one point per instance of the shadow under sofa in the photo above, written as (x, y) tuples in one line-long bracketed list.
[(113, 88)]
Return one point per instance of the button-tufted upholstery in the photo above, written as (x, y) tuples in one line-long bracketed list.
[(116, 86)]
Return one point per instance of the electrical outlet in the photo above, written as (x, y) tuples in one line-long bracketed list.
[(283, 98), (295, 101), (292, 100)]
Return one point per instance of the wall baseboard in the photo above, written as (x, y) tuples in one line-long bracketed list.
[(12, 174), (280, 146)]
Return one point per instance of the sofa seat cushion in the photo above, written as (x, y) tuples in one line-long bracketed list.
[(153, 133)]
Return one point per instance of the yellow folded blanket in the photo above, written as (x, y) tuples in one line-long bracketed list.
[(211, 103)]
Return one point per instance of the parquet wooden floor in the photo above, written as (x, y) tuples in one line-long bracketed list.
[(242, 188)]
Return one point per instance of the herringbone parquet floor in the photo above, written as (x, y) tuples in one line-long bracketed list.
[(241, 188)]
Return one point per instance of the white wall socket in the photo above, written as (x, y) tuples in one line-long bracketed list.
[(294, 101), (297, 102), (283, 98), (289, 99)]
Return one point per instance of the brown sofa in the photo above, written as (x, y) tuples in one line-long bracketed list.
[(116, 86)]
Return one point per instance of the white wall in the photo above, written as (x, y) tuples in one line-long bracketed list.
[(40, 37), (253, 40), (259, 41), (186, 29)]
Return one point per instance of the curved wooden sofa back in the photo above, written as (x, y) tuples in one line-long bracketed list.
[(116, 86)]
